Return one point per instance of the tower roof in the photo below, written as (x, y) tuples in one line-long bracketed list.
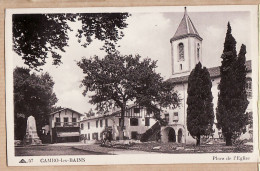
[(186, 29)]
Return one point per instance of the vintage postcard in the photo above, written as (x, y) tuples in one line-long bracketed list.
[(135, 85)]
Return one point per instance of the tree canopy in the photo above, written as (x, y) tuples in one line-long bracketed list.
[(118, 79), (232, 100), (33, 95), (90, 113), (35, 36), (200, 114)]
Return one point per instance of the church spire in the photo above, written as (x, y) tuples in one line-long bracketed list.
[(186, 28), (186, 47)]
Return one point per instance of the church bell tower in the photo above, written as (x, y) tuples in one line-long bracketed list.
[(186, 47)]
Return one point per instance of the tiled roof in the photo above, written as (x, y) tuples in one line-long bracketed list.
[(214, 73), (110, 113), (65, 109), (185, 29)]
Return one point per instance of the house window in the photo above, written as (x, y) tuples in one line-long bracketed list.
[(57, 119), (166, 117), (57, 123), (101, 123), (134, 135), (249, 87), (133, 121), (88, 125), (136, 110), (181, 51), (82, 126), (88, 136), (147, 121), (175, 117), (180, 66), (95, 136), (106, 122), (74, 121), (137, 113), (66, 120), (97, 124)]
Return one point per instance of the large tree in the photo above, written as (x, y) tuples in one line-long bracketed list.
[(35, 36), (200, 115), (33, 95), (118, 79), (232, 99)]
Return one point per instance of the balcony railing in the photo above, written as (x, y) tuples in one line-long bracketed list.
[(66, 124)]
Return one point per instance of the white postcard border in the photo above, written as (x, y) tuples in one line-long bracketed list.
[(133, 158)]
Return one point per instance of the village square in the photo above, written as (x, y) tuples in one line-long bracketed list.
[(129, 106)]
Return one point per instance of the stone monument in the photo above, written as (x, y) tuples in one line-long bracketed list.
[(31, 136)]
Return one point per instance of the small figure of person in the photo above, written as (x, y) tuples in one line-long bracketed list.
[(109, 136), (103, 139)]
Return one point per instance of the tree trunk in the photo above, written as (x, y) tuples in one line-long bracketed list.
[(122, 122), (121, 134), (198, 140), (229, 139)]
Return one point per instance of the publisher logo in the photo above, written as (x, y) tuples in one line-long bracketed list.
[(22, 161)]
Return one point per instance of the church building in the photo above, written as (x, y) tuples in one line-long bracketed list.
[(186, 52)]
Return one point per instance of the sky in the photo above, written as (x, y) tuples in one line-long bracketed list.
[(147, 34)]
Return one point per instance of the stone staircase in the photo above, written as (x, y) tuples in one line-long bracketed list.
[(152, 134)]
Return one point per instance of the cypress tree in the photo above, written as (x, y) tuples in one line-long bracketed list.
[(232, 99), (200, 115)]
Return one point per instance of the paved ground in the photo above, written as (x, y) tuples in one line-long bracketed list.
[(140, 148), (72, 149), (108, 150), (72, 144), (52, 150)]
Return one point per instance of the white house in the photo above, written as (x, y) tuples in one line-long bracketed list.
[(64, 125), (136, 122), (186, 52)]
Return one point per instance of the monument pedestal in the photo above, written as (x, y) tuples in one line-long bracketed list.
[(32, 139), (31, 136)]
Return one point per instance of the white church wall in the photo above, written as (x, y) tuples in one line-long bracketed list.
[(180, 88), (180, 66), (182, 117), (182, 113)]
